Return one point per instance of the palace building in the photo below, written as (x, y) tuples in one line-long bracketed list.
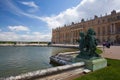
[(107, 28)]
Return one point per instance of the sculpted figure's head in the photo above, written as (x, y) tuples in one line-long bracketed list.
[(91, 31)]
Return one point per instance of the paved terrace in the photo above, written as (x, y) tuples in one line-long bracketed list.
[(65, 45), (113, 52)]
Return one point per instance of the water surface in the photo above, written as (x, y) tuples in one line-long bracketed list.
[(17, 60)]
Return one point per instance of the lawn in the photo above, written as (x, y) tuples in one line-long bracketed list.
[(99, 51), (111, 72)]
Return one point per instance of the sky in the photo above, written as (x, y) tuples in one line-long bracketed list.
[(33, 20)]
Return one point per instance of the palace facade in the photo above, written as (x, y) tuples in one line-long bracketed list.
[(107, 28)]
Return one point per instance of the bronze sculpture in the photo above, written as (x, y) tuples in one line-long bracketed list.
[(87, 45)]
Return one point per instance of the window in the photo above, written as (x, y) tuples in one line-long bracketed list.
[(103, 21), (98, 30), (118, 17), (98, 21)]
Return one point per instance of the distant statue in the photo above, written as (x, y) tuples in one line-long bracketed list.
[(87, 44)]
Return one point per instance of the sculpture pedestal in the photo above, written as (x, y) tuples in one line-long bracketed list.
[(94, 64)]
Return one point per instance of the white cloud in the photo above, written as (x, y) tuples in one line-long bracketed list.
[(4, 36), (18, 28), (37, 33), (34, 36), (66, 17), (85, 9), (30, 4)]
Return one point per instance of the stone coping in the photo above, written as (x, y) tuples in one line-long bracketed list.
[(44, 72)]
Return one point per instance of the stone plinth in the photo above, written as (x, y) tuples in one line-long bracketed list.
[(94, 64)]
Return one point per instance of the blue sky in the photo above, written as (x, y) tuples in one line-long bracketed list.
[(33, 20)]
